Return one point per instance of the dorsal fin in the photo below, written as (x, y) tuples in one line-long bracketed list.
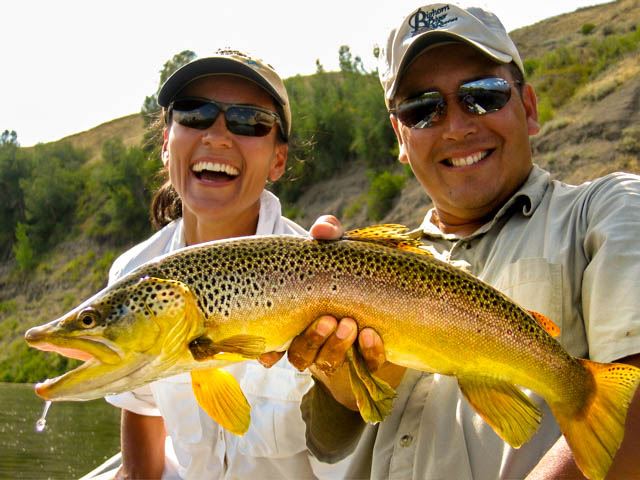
[(545, 322), (390, 235)]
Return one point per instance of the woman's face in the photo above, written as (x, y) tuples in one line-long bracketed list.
[(220, 175)]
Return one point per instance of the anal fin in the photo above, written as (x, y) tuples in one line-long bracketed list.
[(219, 394), (504, 407), (373, 395)]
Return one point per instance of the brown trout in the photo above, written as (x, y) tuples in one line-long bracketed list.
[(202, 307)]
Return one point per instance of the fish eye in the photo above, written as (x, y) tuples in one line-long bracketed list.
[(88, 318)]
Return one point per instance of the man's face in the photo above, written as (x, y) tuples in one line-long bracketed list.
[(468, 164)]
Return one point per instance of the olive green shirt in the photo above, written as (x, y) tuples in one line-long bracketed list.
[(569, 252)]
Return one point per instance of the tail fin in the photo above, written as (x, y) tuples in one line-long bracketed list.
[(595, 433)]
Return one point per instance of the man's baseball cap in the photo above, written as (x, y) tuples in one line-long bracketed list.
[(439, 23), (230, 62)]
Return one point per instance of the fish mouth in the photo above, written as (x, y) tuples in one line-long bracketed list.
[(80, 348), (93, 379), (47, 388)]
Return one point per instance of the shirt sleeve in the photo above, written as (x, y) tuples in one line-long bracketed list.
[(138, 401), (333, 430), (611, 280)]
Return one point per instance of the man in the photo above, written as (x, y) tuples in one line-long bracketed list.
[(462, 113)]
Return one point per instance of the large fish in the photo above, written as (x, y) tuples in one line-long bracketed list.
[(205, 306)]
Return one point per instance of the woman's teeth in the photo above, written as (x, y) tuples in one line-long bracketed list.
[(215, 168), (468, 160)]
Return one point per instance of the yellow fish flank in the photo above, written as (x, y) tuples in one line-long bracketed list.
[(205, 306)]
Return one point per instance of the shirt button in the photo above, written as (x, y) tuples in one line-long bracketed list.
[(406, 440)]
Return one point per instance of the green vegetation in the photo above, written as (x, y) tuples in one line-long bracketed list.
[(558, 74), (385, 187), (587, 28), (338, 117)]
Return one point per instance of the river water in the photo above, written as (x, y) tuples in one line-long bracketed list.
[(78, 437)]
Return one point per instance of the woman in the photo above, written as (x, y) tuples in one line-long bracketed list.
[(227, 123)]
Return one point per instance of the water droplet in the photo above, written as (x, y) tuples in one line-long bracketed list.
[(41, 424)]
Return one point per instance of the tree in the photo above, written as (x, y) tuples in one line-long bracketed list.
[(150, 107), (9, 138), (51, 190), (121, 185), (347, 62), (14, 167), (151, 110)]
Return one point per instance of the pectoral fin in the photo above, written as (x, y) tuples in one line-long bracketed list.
[(249, 346), (246, 346), (373, 395), (510, 412), (219, 394)]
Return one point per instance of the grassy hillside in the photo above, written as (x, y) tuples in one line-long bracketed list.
[(585, 66)]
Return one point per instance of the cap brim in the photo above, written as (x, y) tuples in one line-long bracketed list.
[(211, 66), (433, 38)]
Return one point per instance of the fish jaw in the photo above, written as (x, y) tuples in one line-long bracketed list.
[(47, 338), (90, 380)]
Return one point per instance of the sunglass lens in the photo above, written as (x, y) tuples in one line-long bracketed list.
[(422, 111), (249, 121), (485, 96), (195, 113)]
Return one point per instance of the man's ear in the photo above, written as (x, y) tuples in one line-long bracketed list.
[(279, 162), (402, 154), (530, 102)]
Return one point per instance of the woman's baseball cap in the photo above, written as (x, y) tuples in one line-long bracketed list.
[(229, 62)]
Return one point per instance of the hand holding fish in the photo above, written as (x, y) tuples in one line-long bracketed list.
[(323, 346)]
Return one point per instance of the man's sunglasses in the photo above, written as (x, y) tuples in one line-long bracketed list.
[(477, 97), (201, 113)]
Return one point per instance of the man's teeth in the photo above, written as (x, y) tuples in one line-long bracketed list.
[(469, 160), (215, 167)]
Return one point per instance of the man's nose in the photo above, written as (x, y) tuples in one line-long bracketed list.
[(458, 122)]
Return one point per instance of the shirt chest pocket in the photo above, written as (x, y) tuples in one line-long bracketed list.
[(535, 284), (276, 429)]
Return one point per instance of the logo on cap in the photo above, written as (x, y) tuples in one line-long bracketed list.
[(431, 20)]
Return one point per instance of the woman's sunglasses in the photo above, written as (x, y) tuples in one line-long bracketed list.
[(477, 97), (201, 113)]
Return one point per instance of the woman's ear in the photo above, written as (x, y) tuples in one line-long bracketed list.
[(279, 162), (164, 155)]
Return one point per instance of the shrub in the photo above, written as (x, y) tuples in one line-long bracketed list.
[(545, 110), (630, 141), (587, 28), (23, 249), (384, 188)]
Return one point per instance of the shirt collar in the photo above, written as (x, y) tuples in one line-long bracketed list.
[(177, 239), (526, 200)]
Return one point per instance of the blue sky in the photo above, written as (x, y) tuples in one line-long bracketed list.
[(70, 65)]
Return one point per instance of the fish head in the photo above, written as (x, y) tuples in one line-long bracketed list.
[(129, 334)]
